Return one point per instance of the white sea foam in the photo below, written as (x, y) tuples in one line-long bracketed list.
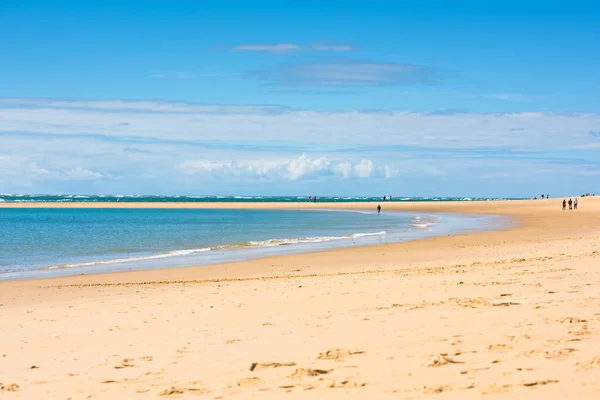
[(422, 225), (187, 252), (316, 239), (173, 253), (357, 235)]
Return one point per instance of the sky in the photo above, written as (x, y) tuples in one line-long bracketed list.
[(402, 98)]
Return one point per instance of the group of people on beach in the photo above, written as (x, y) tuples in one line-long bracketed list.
[(312, 199), (572, 204), (547, 196)]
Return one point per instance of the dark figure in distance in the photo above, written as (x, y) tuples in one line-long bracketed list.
[(564, 204), (570, 204), (378, 209), (575, 204)]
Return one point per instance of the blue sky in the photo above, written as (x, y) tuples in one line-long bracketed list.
[(293, 97)]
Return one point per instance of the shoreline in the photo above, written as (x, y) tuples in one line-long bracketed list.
[(515, 211), (513, 313), (206, 254)]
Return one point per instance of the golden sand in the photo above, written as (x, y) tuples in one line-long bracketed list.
[(512, 314)]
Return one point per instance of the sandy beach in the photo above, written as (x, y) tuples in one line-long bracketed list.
[(510, 314)]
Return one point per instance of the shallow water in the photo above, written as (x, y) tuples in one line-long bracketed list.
[(51, 242)]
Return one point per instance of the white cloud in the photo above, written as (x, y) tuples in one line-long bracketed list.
[(34, 171), (301, 168), (142, 147), (83, 173), (283, 48), (268, 48), (147, 120), (347, 73), (132, 106), (330, 47)]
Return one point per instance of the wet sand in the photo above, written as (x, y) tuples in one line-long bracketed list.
[(512, 314)]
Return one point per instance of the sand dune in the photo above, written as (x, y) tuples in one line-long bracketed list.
[(511, 314)]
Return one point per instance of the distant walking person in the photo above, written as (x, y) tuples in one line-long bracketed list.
[(378, 209), (314, 199), (542, 196), (547, 196), (575, 204), (309, 199), (564, 204), (570, 204)]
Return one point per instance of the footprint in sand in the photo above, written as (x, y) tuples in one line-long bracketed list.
[(527, 353), (12, 387), (571, 320), (349, 383), (256, 365), (440, 360), (436, 389), (593, 363), (470, 302), (337, 354), (126, 363), (506, 304), (302, 372), (175, 391), (539, 383), (580, 331), (251, 381), (499, 347), (559, 353), (496, 388)]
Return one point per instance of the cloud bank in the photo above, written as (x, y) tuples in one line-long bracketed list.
[(301, 168), (247, 125), (83, 146)]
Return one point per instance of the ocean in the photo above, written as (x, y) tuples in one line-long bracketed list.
[(62, 198), (41, 242)]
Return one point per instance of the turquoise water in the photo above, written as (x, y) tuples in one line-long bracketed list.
[(50, 242)]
